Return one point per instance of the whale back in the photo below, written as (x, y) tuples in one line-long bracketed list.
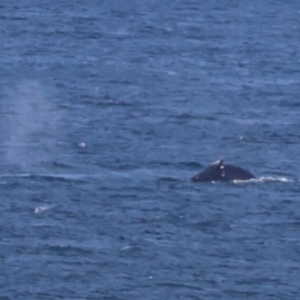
[(218, 171)]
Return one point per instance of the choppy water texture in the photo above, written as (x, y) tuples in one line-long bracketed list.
[(108, 109)]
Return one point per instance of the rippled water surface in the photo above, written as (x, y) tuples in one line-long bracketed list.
[(108, 108)]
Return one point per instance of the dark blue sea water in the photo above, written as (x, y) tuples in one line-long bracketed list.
[(108, 108)]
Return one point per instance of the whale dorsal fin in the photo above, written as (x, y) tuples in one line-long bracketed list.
[(218, 163)]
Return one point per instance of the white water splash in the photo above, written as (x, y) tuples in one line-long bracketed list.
[(40, 209), (271, 179), (265, 179)]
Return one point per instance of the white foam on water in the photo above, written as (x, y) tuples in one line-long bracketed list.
[(40, 209), (265, 179)]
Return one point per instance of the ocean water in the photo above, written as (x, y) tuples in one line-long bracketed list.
[(107, 108)]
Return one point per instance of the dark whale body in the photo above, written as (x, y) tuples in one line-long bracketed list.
[(218, 171)]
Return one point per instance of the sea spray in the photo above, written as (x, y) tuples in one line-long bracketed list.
[(32, 125)]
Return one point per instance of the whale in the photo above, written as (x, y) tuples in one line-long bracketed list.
[(218, 171)]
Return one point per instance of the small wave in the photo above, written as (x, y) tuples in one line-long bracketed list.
[(169, 179), (62, 165), (67, 249), (49, 177), (56, 177), (125, 248), (191, 164)]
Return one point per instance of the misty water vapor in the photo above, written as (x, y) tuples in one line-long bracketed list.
[(31, 122)]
